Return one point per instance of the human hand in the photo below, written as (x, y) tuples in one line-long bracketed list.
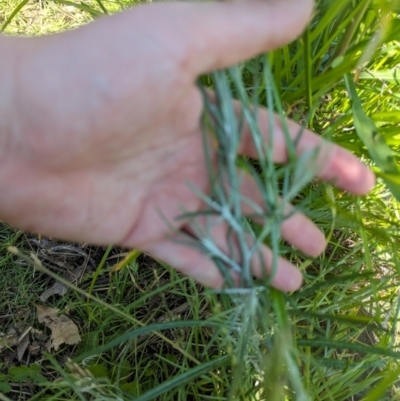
[(104, 130)]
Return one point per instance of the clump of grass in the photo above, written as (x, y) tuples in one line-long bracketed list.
[(255, 302)]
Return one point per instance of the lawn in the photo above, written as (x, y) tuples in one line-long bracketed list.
[(80, 322)]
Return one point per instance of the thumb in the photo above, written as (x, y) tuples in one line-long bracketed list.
[(218, 35)]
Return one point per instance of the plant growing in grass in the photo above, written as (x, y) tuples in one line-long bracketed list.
[(248, 225), (337, 338)]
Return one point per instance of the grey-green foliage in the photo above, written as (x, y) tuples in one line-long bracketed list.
[(335, 339), (224, 127)]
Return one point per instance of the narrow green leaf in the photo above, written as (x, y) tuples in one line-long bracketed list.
[(381, 389), (380, 152), (325, 343), (13, 14), (184, 378), (391, 75), (308, 74), (81, 6), (144, 330)]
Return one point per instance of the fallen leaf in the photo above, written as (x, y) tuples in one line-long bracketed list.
[(22, 346), (39, 335), (63, 329), (34, 348), (57, 289), (8, 340)]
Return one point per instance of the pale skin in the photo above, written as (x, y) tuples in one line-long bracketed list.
[(100, 127)]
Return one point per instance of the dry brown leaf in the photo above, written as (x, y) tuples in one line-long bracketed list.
[(63, 329), (12, 339), (22, 346), (57, 289), (34, 348), (8, 340), (39, 335)]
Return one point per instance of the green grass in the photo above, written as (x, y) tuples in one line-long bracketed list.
[(148, 333)]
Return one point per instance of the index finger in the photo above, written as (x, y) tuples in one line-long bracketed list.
[(215, 35)]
